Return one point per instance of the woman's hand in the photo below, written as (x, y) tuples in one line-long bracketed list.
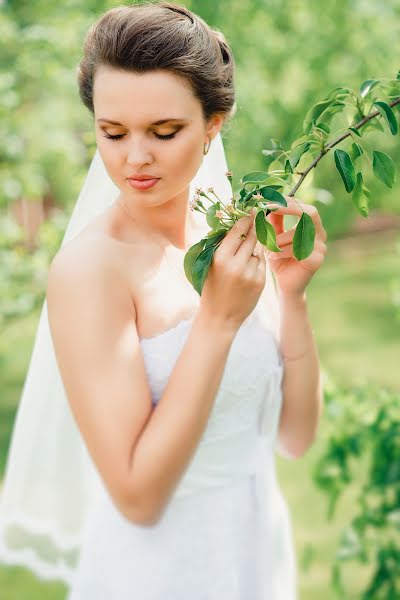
[(292, 275)]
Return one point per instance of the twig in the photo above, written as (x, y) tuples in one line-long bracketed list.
[(334, 143)]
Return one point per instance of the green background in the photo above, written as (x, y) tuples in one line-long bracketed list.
[(289, 55)]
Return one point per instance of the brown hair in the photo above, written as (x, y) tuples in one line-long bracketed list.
[(161, 35)]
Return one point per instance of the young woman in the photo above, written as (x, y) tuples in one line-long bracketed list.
[(181, 400)]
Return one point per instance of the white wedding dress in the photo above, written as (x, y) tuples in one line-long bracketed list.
[(226, 532)]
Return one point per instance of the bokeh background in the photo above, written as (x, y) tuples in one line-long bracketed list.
[(289, 55)]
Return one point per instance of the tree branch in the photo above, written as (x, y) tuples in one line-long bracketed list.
[(334, 143)]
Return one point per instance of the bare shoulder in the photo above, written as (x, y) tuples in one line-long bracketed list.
[(90, 261), (85, 253)]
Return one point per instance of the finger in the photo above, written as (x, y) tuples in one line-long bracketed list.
[(297, 208), (233, 239), (277, 222), (262, 265), (286, 253), (247, 246), (286, 237), (256, 264)]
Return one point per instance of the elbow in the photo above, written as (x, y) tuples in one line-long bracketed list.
[(141, 513), (137, 516), (293, 447)]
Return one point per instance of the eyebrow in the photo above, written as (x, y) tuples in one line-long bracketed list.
[(160, 122)]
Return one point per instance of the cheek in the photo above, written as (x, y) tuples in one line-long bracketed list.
[(186, 157), (109, 153)]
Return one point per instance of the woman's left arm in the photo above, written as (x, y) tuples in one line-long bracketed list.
[(301, 387)]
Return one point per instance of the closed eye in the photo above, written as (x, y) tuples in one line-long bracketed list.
[(160, 137)]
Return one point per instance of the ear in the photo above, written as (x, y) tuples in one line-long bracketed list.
[(214, 125)]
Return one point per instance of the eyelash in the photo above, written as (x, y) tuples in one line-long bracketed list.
[(160, 137)]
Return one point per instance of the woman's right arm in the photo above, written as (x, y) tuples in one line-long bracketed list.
[(141, 452), (164, 449)]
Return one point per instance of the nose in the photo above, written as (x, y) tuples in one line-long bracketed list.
[(139, 153)]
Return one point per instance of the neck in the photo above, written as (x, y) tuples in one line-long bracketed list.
[(171, 223)]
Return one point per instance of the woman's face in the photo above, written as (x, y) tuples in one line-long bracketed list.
[(171, 151)]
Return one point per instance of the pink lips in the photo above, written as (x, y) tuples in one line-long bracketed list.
[(142, 184)]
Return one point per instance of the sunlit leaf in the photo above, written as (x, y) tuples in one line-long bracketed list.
[(339, 93), (361, 142), (384, 168), (211, 219), (367, 86), (314, 112), (355, 152), (255, 177), (266, 233), (324, 127), (359, 198), (297, 153)]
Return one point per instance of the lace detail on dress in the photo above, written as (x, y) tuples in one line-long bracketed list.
[(253, 359)]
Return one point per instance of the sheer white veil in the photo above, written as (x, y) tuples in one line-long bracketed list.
[(50, 480)]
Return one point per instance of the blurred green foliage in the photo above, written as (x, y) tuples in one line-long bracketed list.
[(289, 55), (24, 273), (364, 425)]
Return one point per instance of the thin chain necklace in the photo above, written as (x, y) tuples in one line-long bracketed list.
[(171, 265)]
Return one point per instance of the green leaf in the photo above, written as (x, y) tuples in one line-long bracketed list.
[(359, 197), (355, 131), (190, 258), (301, 140), (276, 144), (384, 168), (211, 219), (387, 112), (270, 193), (275, 165), (296, 153), (362, 143), (345, 166), (355, 152), (328, 113), (314, 112), (374, 124), (270, 153), (288, 167), (275, 180), (201, 267), (339, 93), (324, 127), (266, 233), (304, 236), (214, 237), (255, 177), (367, 86)]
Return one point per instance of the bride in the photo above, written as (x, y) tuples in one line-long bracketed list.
[(150, 452)]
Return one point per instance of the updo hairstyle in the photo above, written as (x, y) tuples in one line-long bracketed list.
[(161, 35)]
